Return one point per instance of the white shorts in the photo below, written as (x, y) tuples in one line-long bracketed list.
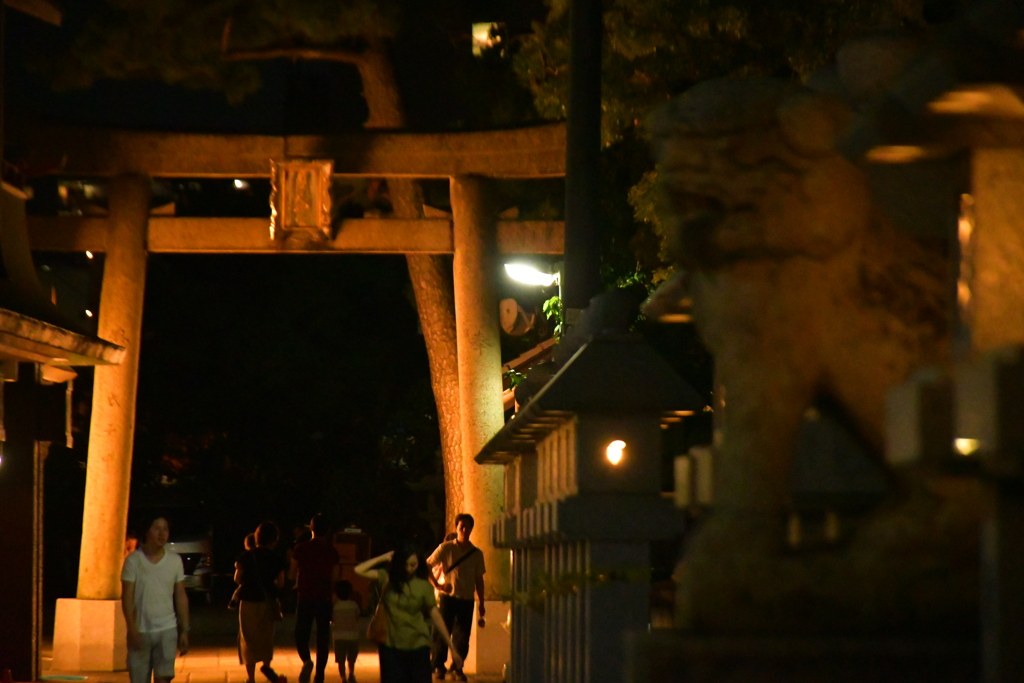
[(156, 658)]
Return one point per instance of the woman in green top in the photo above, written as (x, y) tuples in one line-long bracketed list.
[(408, 601)]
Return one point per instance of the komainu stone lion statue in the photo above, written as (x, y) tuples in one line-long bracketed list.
[(803, 291)]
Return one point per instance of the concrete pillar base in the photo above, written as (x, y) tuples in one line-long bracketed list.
[(490, 648), (89, 635)]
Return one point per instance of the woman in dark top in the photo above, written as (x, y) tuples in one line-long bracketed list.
[(259, 574)]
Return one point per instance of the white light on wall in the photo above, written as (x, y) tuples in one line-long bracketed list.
[(485, 37), (966, 446), (615, 451), (241, 184), (528, 275)]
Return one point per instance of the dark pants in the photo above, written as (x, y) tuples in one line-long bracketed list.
[(306, 611), (404, 666), (458, 619)]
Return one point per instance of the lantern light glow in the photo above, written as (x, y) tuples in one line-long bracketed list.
[(615, 451), (528, 275), (966, 447)]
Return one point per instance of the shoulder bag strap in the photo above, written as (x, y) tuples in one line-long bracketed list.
[(461, 559), (381, 602)]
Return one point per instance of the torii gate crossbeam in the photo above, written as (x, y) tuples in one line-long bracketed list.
[(535, 152), (198, 235)]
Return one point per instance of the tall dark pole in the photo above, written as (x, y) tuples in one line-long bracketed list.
[(580, 274)]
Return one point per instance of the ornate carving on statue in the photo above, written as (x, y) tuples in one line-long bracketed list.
[(300, 200)]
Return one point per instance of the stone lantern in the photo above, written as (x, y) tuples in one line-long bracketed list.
[(582, 503), (960, 102)]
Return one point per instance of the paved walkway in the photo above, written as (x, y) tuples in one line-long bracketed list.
[(214, 656), (206, 664), (220, 665)]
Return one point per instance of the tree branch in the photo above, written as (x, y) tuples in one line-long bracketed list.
[(225, 36), (295, 53)]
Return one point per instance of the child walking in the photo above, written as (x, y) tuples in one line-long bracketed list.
[(345, 630), (250, 544)]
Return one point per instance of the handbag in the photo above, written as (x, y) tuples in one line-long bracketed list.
[(273, 604), (377, 631)]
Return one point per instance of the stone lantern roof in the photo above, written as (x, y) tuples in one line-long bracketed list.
[(963, 88), (614, 373)]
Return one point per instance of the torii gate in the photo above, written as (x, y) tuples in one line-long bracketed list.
[(89, 633)]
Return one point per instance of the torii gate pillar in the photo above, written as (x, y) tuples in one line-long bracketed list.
[(474, 218), (90, 634)]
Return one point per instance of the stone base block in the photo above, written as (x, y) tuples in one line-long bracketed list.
[(490, 647), (89, 635), (674, 657)]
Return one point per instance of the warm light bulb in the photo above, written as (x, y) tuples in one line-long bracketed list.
[(241, 184), (614, 451), (966, 446), (88, 313), (88, 254), (528, 275)]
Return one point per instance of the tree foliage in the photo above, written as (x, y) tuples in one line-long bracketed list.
[(191, 42), (655, 49)]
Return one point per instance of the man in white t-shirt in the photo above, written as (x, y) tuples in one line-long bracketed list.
[(155, 607), (462, 565)]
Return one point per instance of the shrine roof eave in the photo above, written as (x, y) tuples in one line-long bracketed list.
[(612, 374), (894, 140), (26, 339)]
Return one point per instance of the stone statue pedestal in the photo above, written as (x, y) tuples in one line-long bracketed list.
[(672, 656)]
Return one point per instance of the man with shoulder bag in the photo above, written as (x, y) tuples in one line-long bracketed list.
[(462, 565)]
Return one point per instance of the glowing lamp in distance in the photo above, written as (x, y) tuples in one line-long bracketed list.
[(966, 446), (615, 451), (528, 275)]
